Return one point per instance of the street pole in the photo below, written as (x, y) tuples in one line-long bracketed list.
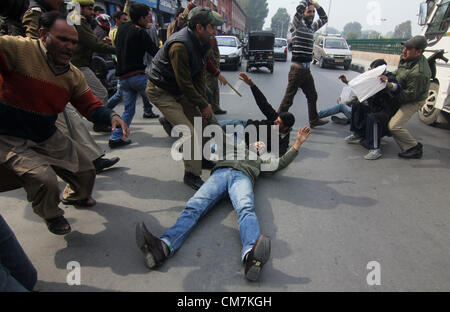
[(326, 27)]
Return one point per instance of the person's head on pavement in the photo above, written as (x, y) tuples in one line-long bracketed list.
[(204, 22), (140, 14), (86, 8), (414, 48), (59, 38), (285, 121)]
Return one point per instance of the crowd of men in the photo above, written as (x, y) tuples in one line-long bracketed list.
[(47, 87)]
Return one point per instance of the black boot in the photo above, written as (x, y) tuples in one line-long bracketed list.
[(415, 152)]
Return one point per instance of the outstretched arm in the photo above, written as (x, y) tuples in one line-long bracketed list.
[(260, 99)]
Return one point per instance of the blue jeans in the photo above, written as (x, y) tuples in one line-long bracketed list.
[(17, 273), (131, 87), (336, 109), (223, 181), (117, 98)]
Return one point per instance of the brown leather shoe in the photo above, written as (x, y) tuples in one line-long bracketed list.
[(317, 123)]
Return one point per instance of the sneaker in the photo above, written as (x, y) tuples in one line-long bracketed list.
[(118, 143), (340, 121), (151, 246), (150, 115), (166, 125), (257, 257), (102, 163), (317, 123), (193, 180), (415, 152), (373, 154), (352, 139), (220, 112)]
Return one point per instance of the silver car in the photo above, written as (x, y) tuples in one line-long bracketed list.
[(280, 49)]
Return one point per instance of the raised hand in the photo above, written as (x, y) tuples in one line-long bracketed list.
[(245, 78), (303, 134)]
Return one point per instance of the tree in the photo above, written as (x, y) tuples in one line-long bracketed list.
[(403, 30), (370, 34), (256, 11), (280, 23), (332, 30), (354, 28)]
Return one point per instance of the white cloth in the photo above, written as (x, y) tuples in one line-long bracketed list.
[(368, 83)]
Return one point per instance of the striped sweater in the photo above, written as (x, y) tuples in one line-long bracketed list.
[(303, 33), (33, 91)]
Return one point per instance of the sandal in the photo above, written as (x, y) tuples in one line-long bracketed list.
[(87, 202), (58, 225)]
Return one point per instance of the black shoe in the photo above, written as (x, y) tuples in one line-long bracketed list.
[(220, 112), (317, 123), (208, 164), (150, 245), (257, 257), (192, 180), (119, 143), (166, 125), (102, 128), (150, 115), (415, 152), (340, 121), (102, 163)]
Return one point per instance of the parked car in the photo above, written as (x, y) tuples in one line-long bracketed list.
[(280, 49), (260, 50), (230, 49), (332, 50)]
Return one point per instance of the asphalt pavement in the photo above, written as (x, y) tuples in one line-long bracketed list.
[(338, 222)]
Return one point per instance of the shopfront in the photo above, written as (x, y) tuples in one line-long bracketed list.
[(167, 9)]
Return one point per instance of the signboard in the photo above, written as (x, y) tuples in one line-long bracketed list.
[(168, 6), (150, 3)]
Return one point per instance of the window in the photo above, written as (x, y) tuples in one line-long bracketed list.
[(226, 42), (438, 26), (280, 43), (335, 44)]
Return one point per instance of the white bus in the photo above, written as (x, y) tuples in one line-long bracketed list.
[(434, 15)]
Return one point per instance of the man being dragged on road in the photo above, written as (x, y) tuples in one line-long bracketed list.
[(284, 120), (369, 119), (234, 176)]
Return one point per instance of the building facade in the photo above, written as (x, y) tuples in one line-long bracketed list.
[(163, 11)]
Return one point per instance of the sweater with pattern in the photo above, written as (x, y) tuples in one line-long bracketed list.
[(33, 91), (303, 33)]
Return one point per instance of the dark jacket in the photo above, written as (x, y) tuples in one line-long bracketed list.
[(163, 74), (379, 107), (271, 115), (88, 44), (132, 41), (414, 78)]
